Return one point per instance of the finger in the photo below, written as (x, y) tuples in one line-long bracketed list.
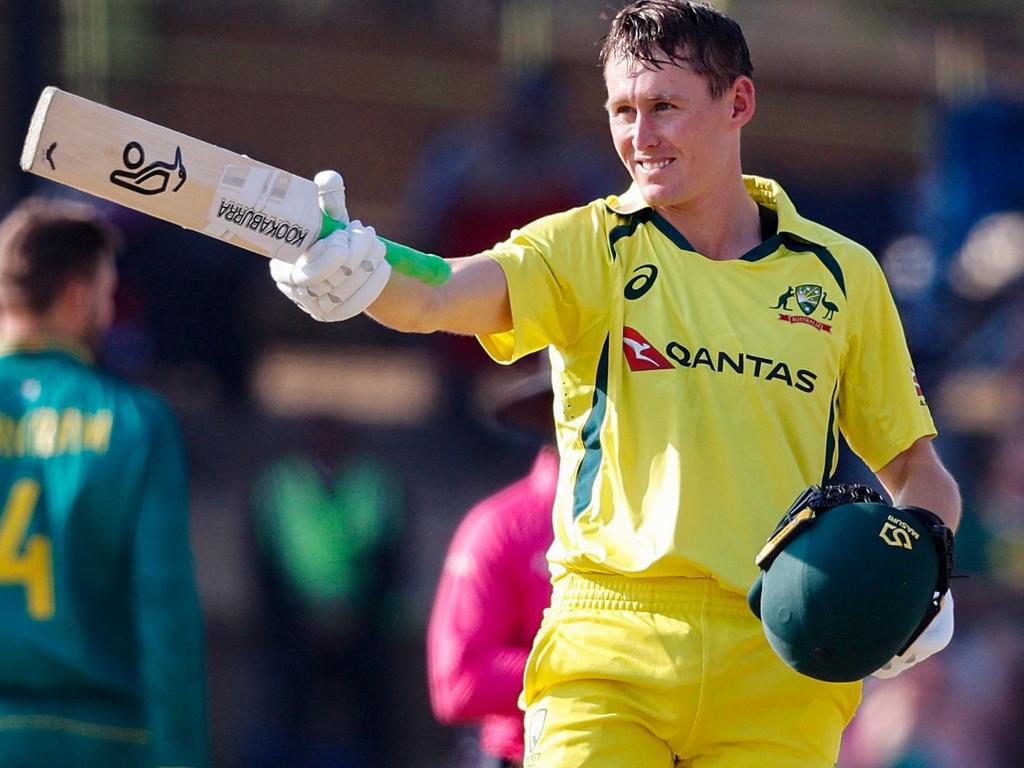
[(323, 259), (364, 295), (365, 252), (367, 249), (296, 296), (331, 191), (281, 271), (366, 259)]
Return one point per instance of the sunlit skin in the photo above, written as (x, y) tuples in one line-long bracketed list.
[(98, 315), (682, 148)]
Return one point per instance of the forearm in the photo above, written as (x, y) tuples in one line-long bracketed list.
[(935, 490), (473, 301), (407, 305), (917, 478)]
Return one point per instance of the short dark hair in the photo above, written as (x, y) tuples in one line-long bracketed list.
[(689, 32), (45, 244)]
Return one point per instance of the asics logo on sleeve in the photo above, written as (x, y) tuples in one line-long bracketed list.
[(642, 282)]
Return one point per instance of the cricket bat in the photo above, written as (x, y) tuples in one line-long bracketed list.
[(189, 182)]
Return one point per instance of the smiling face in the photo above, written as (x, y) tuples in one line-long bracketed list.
[(677, 142)]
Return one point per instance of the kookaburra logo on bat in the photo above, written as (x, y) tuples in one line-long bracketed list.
[(151, 179)]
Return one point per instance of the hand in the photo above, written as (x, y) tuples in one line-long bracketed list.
[(341, 275), (338, 277), (933, 639)]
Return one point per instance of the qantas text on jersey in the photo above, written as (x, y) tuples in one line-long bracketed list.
[(641, 355)]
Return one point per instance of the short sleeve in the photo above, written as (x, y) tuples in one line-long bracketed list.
[(558, 270), (882, 410)]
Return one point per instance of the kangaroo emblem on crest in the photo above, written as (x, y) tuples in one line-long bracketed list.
[(783, 302)]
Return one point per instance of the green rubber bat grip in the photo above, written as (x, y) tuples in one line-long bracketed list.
[(426, 267)]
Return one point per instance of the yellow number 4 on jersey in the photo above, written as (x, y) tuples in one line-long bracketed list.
[(31, 565)]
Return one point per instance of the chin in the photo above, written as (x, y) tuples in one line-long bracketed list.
[(656, 195)]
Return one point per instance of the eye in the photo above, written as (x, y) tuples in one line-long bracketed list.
[(663, 106), (621, 110)]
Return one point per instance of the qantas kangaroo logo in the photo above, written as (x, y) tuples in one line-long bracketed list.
[(640, 353)]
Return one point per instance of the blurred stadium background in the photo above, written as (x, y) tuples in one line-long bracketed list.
[(897, 122)]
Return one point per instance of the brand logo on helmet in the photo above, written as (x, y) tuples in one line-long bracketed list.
[(897, 533)]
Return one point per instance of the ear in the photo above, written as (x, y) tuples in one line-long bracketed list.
[(74, 304), (744, 100), (77, 294)]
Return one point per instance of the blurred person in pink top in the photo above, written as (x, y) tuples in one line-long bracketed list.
[(493, 590)]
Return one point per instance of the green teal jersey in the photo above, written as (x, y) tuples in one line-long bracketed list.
[(694, 399), (102, 653)]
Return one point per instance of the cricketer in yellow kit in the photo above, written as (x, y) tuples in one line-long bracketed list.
[(708, 347), (694, 399)]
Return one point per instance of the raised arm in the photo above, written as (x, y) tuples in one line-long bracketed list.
[(345, 274), (473, 301)]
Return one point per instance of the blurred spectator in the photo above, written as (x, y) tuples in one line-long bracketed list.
[(493, 591), (102, 657), (960, 708), (327, 526), (999, 508)]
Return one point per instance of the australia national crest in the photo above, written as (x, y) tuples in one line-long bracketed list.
[(809, 299)]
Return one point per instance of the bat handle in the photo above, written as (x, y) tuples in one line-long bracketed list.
[(426, 267)]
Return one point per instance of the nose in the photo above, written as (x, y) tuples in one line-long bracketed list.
[(644, 135)]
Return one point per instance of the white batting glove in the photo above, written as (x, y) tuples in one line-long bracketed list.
[(341, 275), (331, 191), (933, 639), (338, 277)]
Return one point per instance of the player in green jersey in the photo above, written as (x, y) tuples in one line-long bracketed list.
[(102, 653), (709, 346)]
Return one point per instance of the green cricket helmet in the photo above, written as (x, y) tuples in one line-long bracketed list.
[(848, 582)]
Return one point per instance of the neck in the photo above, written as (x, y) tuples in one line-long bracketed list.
[(17, 326), (722, 224)]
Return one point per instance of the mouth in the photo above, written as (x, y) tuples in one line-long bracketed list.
[(650, 166)]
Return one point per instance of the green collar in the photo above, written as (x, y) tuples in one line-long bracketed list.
[(766, 192), (35, 345)]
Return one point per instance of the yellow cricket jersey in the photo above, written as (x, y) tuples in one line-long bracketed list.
[(694, 399)]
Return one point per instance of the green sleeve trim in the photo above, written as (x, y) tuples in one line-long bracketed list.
[(583, 491), (830, 438)]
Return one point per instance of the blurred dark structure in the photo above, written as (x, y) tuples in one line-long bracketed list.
[(327, 519), (897, 122)]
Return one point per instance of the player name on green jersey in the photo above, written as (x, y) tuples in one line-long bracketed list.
[(47, 432)]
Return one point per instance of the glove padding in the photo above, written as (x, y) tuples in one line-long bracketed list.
[(933, 639), (338, 277), (330, 189), (341, 275)]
